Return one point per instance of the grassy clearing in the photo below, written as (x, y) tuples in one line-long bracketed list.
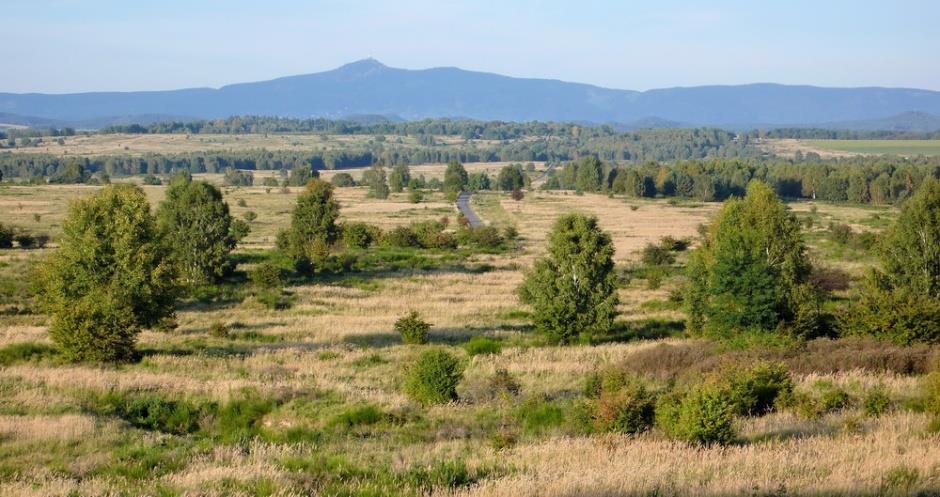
[(891, 147), (308, 400)]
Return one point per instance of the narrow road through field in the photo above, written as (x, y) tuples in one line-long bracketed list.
[(463, 205)]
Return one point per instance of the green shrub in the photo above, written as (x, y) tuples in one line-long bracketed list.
[(240, 419), (702, 415), (267, 276), (931, 391), (754, 391), (155, 413), (656, 255), (415, 196), (342, 180), (622, 404), (503, 383), (481, 345), (487, 237), (402, 237), (360, 235), (876, 402), (433, 377), (95, 328), (413, 329), (834, 399)]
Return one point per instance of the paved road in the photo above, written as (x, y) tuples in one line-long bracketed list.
[(463, 205)]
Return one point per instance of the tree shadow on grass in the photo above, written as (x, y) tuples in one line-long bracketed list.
[(649, 329)]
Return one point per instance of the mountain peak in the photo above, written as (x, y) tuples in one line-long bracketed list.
[(367, 64)]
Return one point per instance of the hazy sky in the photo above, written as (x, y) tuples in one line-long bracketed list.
[(83, 45)]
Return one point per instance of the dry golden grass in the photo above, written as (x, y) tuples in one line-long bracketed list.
[(338, 337)]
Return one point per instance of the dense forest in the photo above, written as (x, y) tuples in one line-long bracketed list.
[(842, 134)]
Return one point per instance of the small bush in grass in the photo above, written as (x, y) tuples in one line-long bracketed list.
[(834, 399), (360, 235), (415, 196), (267, 276), (510, 233), (480, 345), (627, 409), (876, 402), (95, 328), (433, 377), (402, 237), (364, 415), (657, 255), (932, 394), (703, 415), (755, 390), (218, 329), (6, 236), (413, 329), (503, 383), (24, 351)]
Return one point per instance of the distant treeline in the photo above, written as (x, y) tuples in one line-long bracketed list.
[(648, 145), (842, 134), (875, 180)]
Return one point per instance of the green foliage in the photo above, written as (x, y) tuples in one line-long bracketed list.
[(573, 289), (754, 390), (218, 329), (24, 352), (538, 415), (399, 178), (455, 178), (702, 415), (619, 402), (413, 329), (109, 277), (752, 272), (478, 181), (876, 402), (342, 180), (237, 177), (377, 182), (481, 345), (195, 227), (433, 377), (486, 237), (300, 175), (511, 177), (360, 235), (589, 175), (361, 415), (313, 223), (415, 196), (656, 255), (902, 301)]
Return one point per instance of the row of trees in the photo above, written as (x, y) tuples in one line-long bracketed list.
[(857, 180), (751, 274), (120, 268)]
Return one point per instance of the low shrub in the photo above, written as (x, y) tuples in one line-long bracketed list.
[(95, 328), (876, 402), (657, 255), (481, 345), (754, 390), (267, 276), (360, 235), (487, 237), (413, 329), (834, 399), (402, 237), (363, 415), (503, 383), (703, 415), (25, 352), (6, 236), (218, 329), (342, 180), (433, 377)]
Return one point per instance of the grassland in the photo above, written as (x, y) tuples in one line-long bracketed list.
[(845, 148), (307, 400)]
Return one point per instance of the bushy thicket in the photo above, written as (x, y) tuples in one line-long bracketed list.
[(313, 227), (413, 329)]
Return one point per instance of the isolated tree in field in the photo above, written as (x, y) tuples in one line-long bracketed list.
[(313, 222), (399, 178), (590, 174), (511, 177), (455, 179), (478, 181), (377, 181), (752, 271), (196, 228), (300, 175), (572, 290), (109, 277), (901, 302)]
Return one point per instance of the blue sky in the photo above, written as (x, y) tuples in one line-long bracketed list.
[(83, 45)]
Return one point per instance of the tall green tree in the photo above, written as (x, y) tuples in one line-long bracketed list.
[(901, 301), (109, 277), (752, 272), (511, 177), (455, 179), (399, 177), (572, 290), (377, 181), (196, 228), (313, 223), (590, 174)]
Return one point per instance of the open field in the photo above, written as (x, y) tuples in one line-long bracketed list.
[(324, 378), (847, 148), (133, 144)]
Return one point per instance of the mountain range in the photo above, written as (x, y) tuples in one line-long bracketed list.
[(368, 87)]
